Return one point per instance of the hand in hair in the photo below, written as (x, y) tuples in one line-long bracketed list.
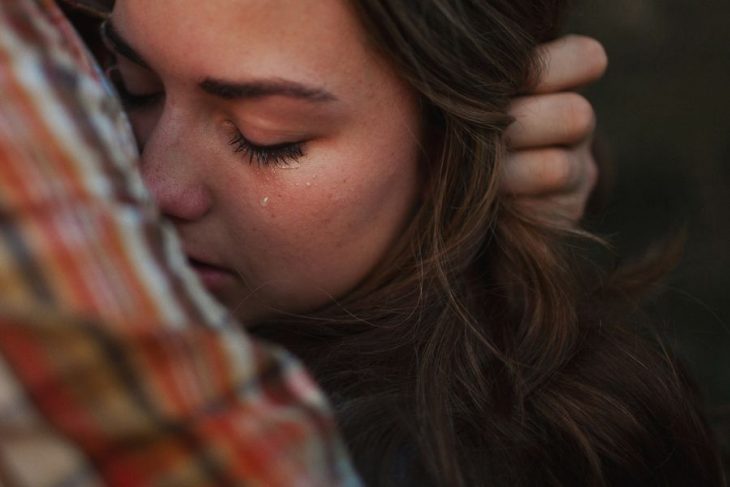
[(551, 168)]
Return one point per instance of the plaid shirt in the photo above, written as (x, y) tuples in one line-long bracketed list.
[(116, 367)]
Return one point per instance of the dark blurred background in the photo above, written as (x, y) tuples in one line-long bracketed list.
[(664, 119)]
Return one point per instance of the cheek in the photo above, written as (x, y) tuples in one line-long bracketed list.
[(321, 231)]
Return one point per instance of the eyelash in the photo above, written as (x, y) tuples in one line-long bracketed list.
[(283, 155)]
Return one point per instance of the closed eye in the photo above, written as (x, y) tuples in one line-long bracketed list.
[(285, 155)]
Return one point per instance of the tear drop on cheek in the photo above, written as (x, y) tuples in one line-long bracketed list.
[(291, 165), (264, 201)]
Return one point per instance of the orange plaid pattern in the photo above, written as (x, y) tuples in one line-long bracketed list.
[(116, 367)]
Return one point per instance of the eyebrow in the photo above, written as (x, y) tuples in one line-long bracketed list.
[(225, 89), (260, 89)]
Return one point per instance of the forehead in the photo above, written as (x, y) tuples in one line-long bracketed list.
[(305, 37)]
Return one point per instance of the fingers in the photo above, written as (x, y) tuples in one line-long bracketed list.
[(570, 62), (560, 119), (551, 171), (561, 210), (552, 184)]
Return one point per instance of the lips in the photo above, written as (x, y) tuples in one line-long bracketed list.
[(213, 277)]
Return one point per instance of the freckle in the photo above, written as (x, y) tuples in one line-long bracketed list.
[(264, 201)]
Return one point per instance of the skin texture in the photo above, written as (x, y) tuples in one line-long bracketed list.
[(289, 235)]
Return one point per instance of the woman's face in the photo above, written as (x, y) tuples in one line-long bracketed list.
[(284, 151)]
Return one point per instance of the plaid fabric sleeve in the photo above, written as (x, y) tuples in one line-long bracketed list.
[(116, 367)]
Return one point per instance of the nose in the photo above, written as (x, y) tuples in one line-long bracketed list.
[(172, 173)]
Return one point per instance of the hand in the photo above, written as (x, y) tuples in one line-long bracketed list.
[(550, 168)]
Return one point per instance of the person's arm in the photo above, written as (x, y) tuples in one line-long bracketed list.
[(116, 368), (551, 168)]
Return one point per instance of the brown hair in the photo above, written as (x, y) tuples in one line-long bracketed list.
[(477, 353)]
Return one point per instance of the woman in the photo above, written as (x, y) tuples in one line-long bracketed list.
[(332, 169)]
